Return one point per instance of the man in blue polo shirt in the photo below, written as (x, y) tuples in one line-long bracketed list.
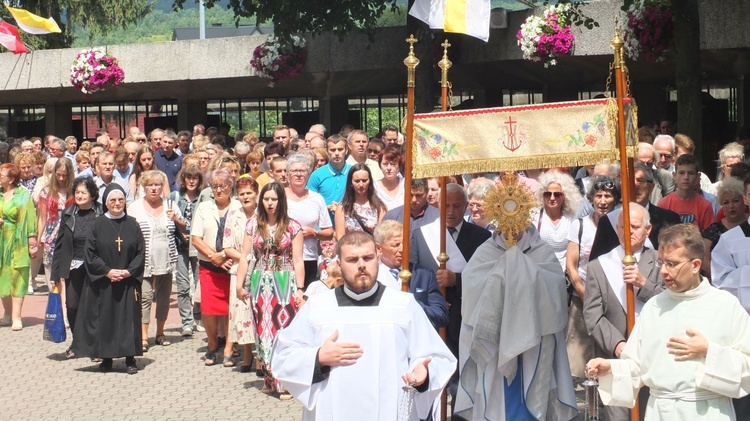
[(167, 160), (330, 179)]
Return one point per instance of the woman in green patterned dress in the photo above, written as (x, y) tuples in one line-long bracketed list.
[(18, 243)]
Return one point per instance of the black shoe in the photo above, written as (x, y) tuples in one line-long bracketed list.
[(132, 368), (106, 365)]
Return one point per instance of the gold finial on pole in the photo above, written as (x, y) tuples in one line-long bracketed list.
[(411, 61), (445, 64), (617, 43)]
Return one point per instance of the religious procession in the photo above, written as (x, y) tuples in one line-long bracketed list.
[(545, 261)]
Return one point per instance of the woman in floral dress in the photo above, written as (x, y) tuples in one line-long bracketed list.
[(53, 199), (361, 209), (277, 244), (240, 313)]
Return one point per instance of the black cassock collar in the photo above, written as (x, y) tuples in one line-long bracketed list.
[(348, 298)]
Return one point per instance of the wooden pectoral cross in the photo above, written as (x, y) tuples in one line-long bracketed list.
[(119, 243)]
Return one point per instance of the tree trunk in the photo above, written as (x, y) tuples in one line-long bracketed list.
[(688, 71)]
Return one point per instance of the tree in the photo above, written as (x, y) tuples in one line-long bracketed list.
[(99, 16), (292, 17)]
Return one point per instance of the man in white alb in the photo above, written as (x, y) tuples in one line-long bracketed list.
[(350, 350), (690, 344)]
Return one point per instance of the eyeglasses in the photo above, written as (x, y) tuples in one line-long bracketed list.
[(221, 187), (604, 185), (298, 171), (666, 157), (228, 159), (549, 194), (672, 267), (373, 151)]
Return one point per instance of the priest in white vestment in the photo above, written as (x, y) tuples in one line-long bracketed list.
[(350, 350), (690, 344)]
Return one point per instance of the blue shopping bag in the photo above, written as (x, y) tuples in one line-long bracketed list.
[(54, 324)]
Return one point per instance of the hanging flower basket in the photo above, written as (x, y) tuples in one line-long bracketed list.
[(274, 61), (94, 69), (546, 37), (650, 30)]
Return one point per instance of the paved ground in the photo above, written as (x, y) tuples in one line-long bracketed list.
[(39, 383), (173, 383)]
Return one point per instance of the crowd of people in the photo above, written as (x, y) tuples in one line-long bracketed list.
[(248, 231)]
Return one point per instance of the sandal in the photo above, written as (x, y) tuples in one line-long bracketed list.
[(267, 390), (145, 346), (210, 358), (228, 362), (162, 340), (69, 354), (285, 396)]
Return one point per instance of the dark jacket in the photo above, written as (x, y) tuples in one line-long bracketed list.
[(426, 291), (64, 242)]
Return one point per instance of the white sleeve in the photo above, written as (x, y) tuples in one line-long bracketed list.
[(621, 386), (726, 369), (728, 273), (293, 359), (573, 231), (324, 217)]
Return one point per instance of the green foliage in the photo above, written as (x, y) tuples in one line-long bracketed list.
[(157, 26), (98, 16), (578, 17), (292, 17)]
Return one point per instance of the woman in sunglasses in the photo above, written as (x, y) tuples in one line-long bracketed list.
[(560, 198)]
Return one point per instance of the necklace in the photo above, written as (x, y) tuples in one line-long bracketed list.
[(119, 240)]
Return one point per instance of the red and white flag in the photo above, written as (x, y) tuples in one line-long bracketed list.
[(10, 39)]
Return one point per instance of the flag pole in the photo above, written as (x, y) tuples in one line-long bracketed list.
[(411, 61), (627, 182), (443, 258)]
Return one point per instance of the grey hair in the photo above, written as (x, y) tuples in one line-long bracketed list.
[(242, 148), (732, 186), (455, 188), (479, 187), (644, 212), (387, 229), (640, 145), (732, 150), (668, 138), (568, 186), (299, 158), (646, 170)]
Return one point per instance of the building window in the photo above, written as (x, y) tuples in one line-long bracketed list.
[(22, 121), (377, 111), (118, 117), (521, 97), (259, 115)]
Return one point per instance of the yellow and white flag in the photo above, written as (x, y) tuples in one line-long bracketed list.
[(32, 23), (470, 17)]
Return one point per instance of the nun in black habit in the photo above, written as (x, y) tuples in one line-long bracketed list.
[(109, 314)]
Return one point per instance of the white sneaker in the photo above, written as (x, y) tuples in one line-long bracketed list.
[(187, 332), (199, 326), (17, 325)]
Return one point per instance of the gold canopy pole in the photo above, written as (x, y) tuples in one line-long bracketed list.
[(442, 258), (411, 61), (627, 183)]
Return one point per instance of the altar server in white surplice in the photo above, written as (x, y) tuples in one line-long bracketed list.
[(690, 344), (350, 350), (730, 260)]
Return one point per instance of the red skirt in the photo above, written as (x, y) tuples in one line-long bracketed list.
[(214, 292)]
